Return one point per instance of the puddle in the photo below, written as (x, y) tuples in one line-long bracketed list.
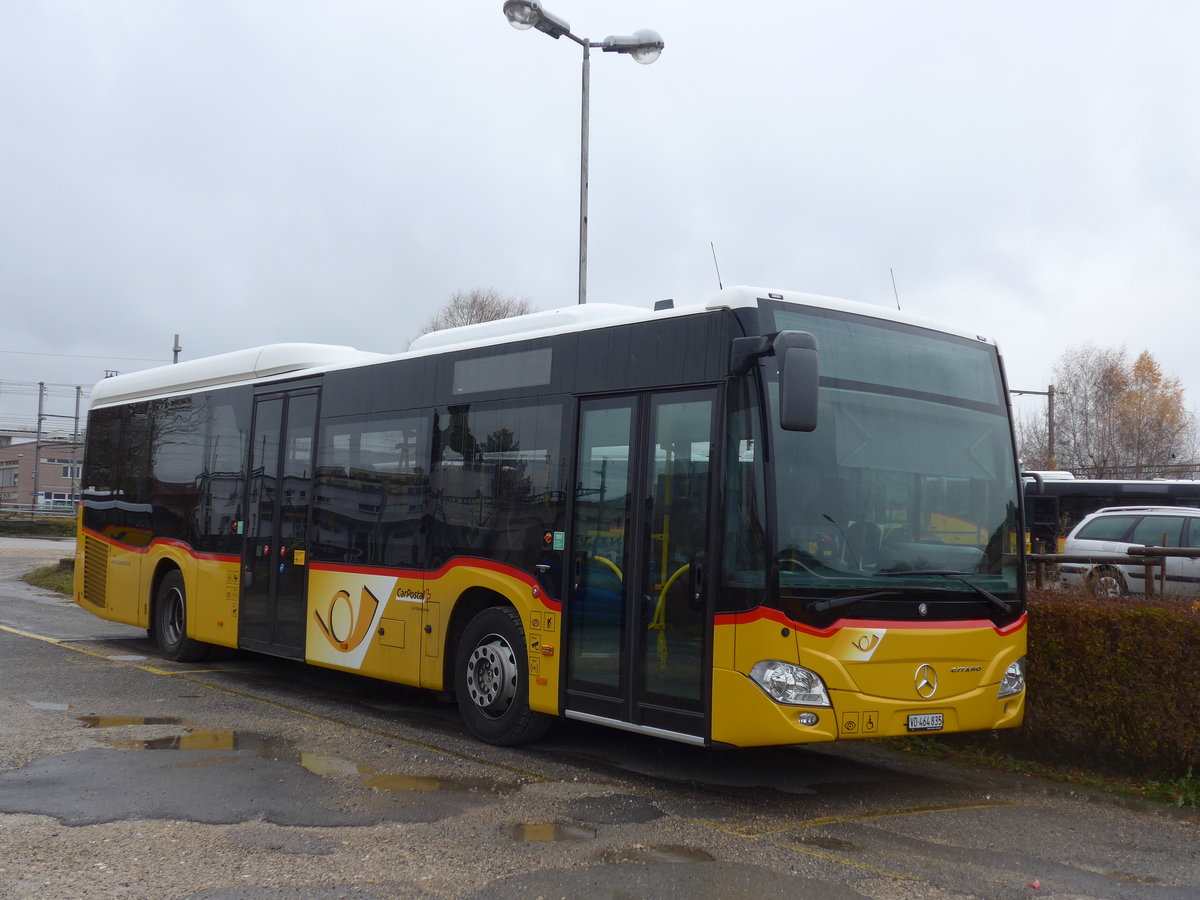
[(122, 721), (549, 832), (419, 783), (665, 854), (268, 747), (206, 763), (324, 764), (40, 704), (263, 746)]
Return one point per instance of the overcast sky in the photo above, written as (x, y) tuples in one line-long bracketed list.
[(256, 171)]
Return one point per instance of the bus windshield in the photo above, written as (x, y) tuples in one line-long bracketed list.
[(909, 479)]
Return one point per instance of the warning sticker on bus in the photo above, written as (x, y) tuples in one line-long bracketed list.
[(926, 722)]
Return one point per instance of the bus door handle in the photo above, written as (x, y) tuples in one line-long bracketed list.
[(577, 569), (697, 573)]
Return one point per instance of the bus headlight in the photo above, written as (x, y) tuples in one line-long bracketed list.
[(1014, 679), (790, 684)]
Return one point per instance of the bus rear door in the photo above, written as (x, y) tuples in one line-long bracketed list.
[(274, 555)]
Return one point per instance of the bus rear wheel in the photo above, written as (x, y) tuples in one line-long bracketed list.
[(170, 622), (491, 680)]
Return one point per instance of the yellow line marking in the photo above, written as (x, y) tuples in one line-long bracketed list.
[(186, 675), (823, 821), (29, 634)]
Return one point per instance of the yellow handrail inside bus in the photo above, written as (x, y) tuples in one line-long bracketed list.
[(659, 621), (612, 565)]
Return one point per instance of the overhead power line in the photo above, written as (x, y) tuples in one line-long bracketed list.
[(84, 356)]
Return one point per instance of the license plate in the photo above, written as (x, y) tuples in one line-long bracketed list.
[(926, 722)]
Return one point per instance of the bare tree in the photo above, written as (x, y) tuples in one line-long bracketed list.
[(1033, 437), (1113, 418), (476, 305)]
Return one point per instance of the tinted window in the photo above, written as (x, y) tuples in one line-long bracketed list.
[(370, 491), (227, 414), (170, 468), (1193, 532), (1106, 528), (176, 430), (503, 371), (106, 508), (498, 482), (862, 350), (745, 544), (1150, 531)]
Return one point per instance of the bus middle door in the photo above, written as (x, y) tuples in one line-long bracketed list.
[(638, 629)]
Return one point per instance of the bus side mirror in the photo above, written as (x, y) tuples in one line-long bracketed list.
[(799, 371)]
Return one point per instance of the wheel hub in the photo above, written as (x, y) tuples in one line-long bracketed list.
[(492, 675)]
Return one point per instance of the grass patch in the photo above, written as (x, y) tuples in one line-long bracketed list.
[(1182, 792), (59, 579)]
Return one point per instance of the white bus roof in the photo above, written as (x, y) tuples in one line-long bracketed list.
[(277, 359), (226, 368)]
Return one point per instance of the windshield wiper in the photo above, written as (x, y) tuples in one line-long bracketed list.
[(955, 575), (816, 604)]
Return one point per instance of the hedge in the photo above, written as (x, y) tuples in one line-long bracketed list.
[(16, 526), (1114, 683)]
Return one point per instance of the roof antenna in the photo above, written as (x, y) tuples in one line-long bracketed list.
[(894, 291), (720, 286)]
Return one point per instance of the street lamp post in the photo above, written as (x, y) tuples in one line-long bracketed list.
[(643, 46)]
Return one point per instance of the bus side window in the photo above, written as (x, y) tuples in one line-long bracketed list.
[(498, 482), (372, 478)]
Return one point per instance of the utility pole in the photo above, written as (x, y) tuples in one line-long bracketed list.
[(1049, 395), (37, 448), (75, 446), (175, 350)]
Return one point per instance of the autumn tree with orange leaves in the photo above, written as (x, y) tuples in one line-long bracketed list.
[(1113, 419)]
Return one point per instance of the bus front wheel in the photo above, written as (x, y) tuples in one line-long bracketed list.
[(170, 622), (491, 680)]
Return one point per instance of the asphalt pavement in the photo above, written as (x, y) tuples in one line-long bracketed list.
[(125, 775)]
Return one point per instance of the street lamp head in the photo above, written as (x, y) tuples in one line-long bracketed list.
[(644, 46), (525, 14), (521, 14)]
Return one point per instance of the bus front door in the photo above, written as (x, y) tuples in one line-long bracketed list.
[(638, 629), (272, 614)]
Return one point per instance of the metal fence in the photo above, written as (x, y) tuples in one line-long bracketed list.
[(1153, 559), (31, 511)]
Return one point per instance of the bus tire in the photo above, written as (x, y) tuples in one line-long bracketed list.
[(170, 622), (491, 680)]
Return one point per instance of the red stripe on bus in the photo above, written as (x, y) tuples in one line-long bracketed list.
[(469, 562), (165, 542), (782, 618)]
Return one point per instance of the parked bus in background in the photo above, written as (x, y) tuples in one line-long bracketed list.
[(769, 519), (1055, 502)]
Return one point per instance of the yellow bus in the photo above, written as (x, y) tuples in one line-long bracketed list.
[(723, 524)]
